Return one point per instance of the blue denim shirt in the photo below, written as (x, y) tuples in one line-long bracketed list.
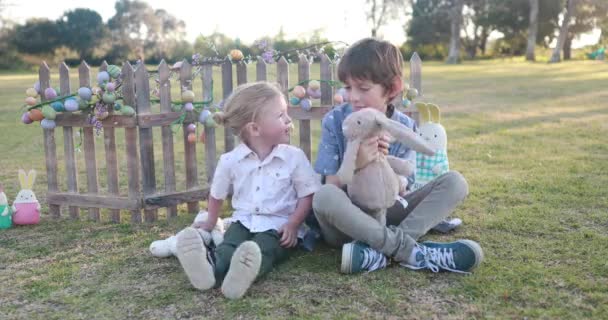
[(333, 143)]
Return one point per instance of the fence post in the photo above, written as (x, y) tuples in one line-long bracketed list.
[(50, 148), (128, 93), (167, 134)]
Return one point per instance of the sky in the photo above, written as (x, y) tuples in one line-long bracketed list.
[(339, 20)]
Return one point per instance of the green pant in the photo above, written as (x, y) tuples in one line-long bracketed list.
[(268, 241), (341, 221)]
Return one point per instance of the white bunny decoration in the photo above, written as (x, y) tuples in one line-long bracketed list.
[(433, 133), (26, 208)]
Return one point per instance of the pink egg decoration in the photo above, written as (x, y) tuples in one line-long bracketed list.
[(31, 101), (314, 93), (191, 127), (50, 93), (188, 106), (110, 87), (299, 92)]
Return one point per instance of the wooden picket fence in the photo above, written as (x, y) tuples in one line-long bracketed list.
[(143, 193)]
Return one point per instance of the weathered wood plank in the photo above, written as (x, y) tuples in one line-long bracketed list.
[(261, 74), (189, 148), (210, 146), (283, 76), (305, 136), (50, 148), (167, 134), (415, 82), (173, 198), (227, 90), (81, 120), (241, 73), (68, 141), (128, 92), (146, 139), (93, 201)]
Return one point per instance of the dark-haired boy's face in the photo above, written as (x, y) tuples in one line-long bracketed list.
[(366, 94)]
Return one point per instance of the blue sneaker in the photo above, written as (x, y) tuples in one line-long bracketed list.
[(358, 257), (461, 256)]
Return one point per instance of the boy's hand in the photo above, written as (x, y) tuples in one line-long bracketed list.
[(370, 150), (289, 235), (384, 143), (205, 225)]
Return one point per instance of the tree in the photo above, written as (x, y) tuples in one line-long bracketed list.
[(455, 26), (428, 29), (589, 15), (37, 36), (563, 31), (81, 30), (380, 11), (532, 30)]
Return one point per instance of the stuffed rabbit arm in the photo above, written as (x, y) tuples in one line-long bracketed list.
[(401, 167)]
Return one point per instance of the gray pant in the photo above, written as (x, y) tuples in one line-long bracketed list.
[(341, 221)]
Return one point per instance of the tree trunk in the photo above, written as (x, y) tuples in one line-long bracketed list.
[(456, 23), (563, 32), (483, 40), (568, 47), (374, 32), (532, 30)]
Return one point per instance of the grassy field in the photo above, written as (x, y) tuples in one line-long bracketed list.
[(530, 138)]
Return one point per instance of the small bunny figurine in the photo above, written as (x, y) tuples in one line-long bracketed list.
[(375, 187), (26, 208), (431, 167), (6, 220)]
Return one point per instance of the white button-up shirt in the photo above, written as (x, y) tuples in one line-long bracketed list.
[(264, 192)]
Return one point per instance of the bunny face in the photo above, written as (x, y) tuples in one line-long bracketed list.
[(434, 134), (361, 124), (25, 196), (3, 200)]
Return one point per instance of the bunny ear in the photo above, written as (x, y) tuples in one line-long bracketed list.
[(22, 179), (405, 135), (423, 110), (435, 113), (347, 169), (31, 177)]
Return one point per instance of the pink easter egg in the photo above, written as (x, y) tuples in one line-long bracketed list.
[(191, 127), (50, 93), (25, 118), (299, 92), (188, 106)]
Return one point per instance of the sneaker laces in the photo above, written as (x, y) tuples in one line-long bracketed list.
[(436, 259), (373, 260)]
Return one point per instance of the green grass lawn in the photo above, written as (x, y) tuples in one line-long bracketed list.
[(530, 138)]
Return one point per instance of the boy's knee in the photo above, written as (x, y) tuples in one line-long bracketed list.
[(324, 197), (456, 181)]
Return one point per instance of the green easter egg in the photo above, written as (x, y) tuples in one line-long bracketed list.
[(109, 97), (82, 104), (127, 111), (187, 96), (48, 112), (210, 123), (412, 93), (114, 71)]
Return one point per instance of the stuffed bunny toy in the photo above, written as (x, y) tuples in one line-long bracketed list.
[(431, 131), (26, 208), (6, 220), (167, 247), (375, 187)]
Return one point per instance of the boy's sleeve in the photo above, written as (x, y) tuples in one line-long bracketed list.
[(306, 181), (222, 179), (328, 154)]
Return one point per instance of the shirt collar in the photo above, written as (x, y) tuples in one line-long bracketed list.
[(243, 151)]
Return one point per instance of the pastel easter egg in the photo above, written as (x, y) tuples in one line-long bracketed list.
[(188, 106), (50, 93), (113, 71), (202, 118), (82, 104), (127, 111), (314, 93), (406, 103), (96, 90), (299, 92), (37, 86), (57, 106), (103, 77), (25, 118), (48, 124), (109, 97), (294, 101), (31, 101), (102, 115), (31, 92), (188, 96), (176, 108), (192, 137), (85, 93), (412, 93), (314, 85), (306, 104), (191, 127), (338, 98), (110, 87), (36, 115), (236, 55), (48, 112), (210, 123), (70, 105), (117, 106)]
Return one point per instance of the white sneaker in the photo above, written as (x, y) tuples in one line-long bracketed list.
[(195, 260), (244, 268), (447, 225)]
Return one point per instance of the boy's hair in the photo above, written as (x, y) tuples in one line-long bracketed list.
[(246, 103), (371, 59)]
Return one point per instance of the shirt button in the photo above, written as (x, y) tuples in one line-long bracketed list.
[(260, 168), (257, 188), (257, 209)]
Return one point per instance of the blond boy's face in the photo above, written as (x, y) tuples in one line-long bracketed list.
[(275, 124), (366, 94)]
